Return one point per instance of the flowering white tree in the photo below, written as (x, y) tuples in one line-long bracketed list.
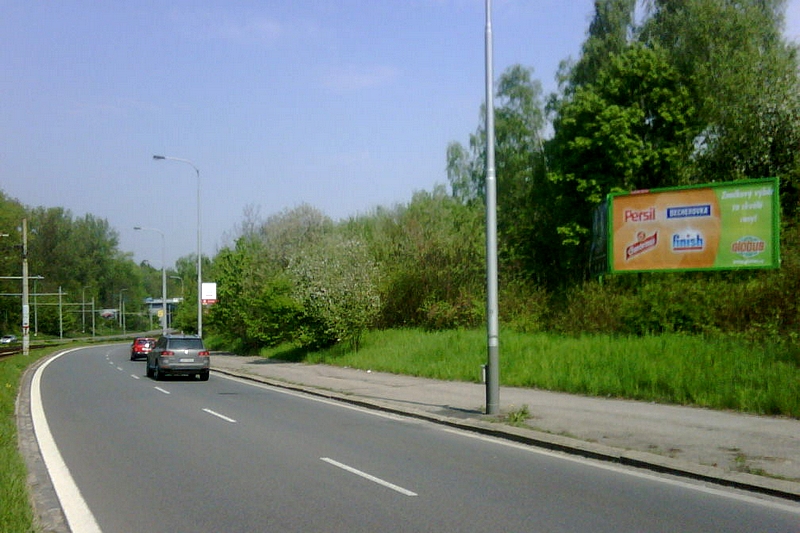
[(337, 282)]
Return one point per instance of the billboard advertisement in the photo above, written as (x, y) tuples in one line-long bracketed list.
[(729, 225)]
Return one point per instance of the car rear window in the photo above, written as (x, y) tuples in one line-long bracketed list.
[(186, 344)]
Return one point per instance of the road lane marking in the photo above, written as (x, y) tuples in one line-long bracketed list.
[(76, 510), (374, 479), (134, 376), (159, 389), (225, 418)]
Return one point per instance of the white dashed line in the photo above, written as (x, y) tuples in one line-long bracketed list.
[(225, 418), (159, 389), (374, 479)]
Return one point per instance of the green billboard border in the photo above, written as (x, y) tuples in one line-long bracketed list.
[(775, 224)]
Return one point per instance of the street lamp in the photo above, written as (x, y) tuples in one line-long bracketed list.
[(199, 246), (163, 276), (492, 323)]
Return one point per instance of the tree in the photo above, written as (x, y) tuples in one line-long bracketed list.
[(431, 255), (610, 33), (744, 79), (253, 310), (258, 302), (522, 191), (337, 282), (11, 215), (633, 128)]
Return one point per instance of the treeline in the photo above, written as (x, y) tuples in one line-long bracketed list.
[(78, 257)]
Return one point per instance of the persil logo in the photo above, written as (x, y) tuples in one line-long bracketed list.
[(748, 246), (644, 215)]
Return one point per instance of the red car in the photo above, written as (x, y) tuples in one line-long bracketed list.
[(141, 347)]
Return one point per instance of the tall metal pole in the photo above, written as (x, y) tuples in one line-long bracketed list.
[(492, 325), (26, 310), (83, 310), (199, 243), (60, 314)]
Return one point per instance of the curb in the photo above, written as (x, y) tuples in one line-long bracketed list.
[(48, 515), (787, 490)]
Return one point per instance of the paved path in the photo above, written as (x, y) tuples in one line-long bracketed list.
[(754, 452)]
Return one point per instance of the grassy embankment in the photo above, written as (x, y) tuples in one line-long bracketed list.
[(15, 510), (719, 373)]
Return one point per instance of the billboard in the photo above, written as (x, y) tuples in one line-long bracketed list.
[(719, 226)]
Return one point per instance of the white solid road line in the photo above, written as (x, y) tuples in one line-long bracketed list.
[(374, 479), (77, 513)]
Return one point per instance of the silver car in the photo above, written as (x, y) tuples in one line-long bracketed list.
[(175, 355)]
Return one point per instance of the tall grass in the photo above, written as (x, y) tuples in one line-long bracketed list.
[(15, 510), (719, 373)]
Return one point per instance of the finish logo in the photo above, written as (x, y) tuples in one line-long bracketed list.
[(748, 246), (691, 241)]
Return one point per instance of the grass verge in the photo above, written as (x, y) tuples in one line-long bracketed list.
[(719, 373), (16, 513)]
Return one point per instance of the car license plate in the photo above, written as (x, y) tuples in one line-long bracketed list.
[(185, 360)]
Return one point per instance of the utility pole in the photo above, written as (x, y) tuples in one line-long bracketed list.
[(26, 311)]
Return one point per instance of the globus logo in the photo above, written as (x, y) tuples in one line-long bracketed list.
[(748, 246)]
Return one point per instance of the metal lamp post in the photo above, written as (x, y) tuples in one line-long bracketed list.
[(492, 326), (163, 276), (199, 243)]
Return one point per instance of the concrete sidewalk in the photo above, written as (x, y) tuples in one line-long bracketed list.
[(756, 453)]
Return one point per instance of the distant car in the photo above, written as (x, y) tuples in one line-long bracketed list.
[(175, 355), (141, 346), (8, 339)]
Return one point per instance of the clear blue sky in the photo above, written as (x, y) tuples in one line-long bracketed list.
[(342, 104)]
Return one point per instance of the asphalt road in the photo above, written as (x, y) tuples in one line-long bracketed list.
[(225, 455)]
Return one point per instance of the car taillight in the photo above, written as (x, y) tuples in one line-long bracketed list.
[(167, 353), (203, 353)]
